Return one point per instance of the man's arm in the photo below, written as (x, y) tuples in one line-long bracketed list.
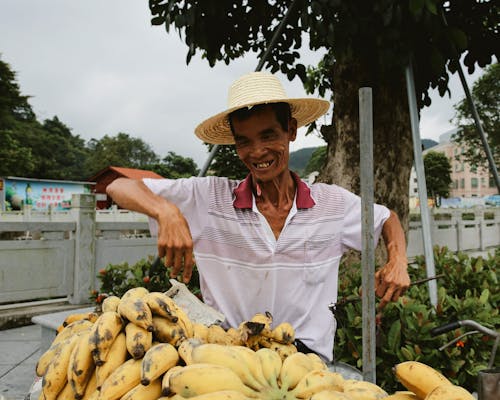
[(392, 280), (174, 237)]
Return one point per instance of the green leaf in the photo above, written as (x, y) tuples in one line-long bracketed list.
[(394, 336), (431, 6), (416, 6), (407, 354), (484, 296)]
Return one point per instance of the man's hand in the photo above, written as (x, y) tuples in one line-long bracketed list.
[(175, 242), (392, 280)]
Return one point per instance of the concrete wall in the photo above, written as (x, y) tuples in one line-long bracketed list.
[(50, 255)]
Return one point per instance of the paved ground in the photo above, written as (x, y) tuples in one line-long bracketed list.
[(19, 352)]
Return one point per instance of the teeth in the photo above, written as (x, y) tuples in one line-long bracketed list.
[(263, 164)]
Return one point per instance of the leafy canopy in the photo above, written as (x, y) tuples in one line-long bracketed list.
[(383, 34), (486, 98)]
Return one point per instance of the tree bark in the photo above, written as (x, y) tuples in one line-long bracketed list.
[(393, 147)]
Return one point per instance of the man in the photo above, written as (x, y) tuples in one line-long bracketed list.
[(270, 242)]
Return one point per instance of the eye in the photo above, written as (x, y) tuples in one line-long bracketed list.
[(240, 141)]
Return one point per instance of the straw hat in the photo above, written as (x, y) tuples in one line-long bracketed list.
[(257, 88)]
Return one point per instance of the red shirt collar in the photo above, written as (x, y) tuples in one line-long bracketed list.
[(243, 193)]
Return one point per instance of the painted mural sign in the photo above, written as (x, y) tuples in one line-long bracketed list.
[(39, 194)]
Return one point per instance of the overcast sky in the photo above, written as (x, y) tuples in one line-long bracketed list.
[(102, 68)]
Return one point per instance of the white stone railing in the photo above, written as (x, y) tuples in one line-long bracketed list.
[(58, 254)]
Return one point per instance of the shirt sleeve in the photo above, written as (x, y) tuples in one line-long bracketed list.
[(351, 238), (186, 193)]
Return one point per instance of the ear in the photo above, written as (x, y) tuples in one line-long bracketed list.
[(292, 129)]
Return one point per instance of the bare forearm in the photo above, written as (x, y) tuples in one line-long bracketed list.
[(394, 238), (134, 195)]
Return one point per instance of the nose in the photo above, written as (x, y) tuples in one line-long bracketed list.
[(257, 149)]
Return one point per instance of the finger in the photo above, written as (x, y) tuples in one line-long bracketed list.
[(380, 287), (188, 267), (176, 264), (386, 298), (169, 257), (161, 251), (397, 294)]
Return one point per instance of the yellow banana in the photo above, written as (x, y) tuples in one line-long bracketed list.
[(217, 334), (184, 321), (66, 393), (135, 293), (93, 396), (162, 305), (234, 337), (56, 375), (81, 366), (200, 331), (294, 368), (141, 392), (252, 360), (362, 390), (121, 380), (449, 392), (46, 358), (419, 378), (157, 360), (197, 379), (402, 396), (220, 395), (250, 333), (136, 311), (283, 333), (73, 328), (271, 365), (226, 356), (266, 319), (186, 347), (110, 303), (102, 334), (329, 395), (91, 387), (168, 332), (317, 381), (117, 355), (165, 385), (284, 350), (318, 362), (139, 340)]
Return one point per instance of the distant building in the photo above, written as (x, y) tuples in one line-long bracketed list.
[(467, 182), (104, 177)]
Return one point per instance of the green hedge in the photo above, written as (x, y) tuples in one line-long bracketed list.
[(468, 290)]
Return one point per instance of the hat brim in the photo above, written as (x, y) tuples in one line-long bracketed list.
[(216, 129)]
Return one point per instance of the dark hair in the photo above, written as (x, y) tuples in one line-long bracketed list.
[(281, 110)]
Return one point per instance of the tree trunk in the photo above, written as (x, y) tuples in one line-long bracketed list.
[(392, 140)]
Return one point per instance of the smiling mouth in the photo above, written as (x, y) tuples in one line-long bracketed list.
[(263, 165)]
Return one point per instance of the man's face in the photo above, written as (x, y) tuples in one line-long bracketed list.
[(262, 144)]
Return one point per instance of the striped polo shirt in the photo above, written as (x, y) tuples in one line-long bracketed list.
[(244, 270)]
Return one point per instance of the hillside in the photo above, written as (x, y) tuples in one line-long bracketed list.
[(300, 158)]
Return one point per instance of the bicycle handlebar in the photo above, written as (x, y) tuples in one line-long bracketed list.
[(444, 328), (466, 322)]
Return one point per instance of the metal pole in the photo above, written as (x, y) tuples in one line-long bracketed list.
[(422, 187), (479, 127), (368, 253), (278, 31)]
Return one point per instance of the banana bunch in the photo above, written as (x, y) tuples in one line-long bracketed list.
[(121, 352), (143, 346), (218, 371)]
